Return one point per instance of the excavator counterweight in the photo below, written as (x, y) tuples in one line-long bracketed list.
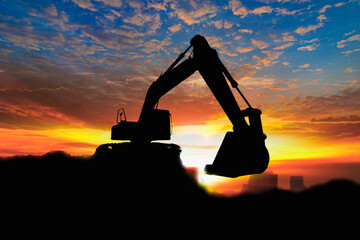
[(242, 151)]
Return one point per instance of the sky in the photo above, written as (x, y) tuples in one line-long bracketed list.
[(66, 66)]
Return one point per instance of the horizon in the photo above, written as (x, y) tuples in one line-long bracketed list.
[(67, 66)]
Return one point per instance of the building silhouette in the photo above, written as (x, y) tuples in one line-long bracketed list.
[(261, 182), (297, 183)]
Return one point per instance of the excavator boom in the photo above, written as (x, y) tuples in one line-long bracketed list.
[(243, 150)]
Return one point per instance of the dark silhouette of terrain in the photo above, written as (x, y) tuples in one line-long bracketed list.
[(132, 182)]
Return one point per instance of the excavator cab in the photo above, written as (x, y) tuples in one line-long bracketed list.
[(242, 151), (157, 126)]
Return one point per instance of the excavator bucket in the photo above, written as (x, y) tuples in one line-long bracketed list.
[(242, 153), (239, 155)]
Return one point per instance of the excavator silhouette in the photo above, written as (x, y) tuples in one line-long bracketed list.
[(242, 151)]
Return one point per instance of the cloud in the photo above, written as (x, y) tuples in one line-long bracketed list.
[(24, 36), (303, 30), (152, 22), (42, 92), (262, 10), (237, 8), (192, 12), (59, 19), (157, 5), (29, 114), (284, 46), (227, 25), (284, 11), (308, 48), (351, 51), (349, 33), (305, 65), (245, 31), (323, 9), (270, 60), (85, 4), (105, 38), (286, 37), (340, 4), (338, 130), (128, 33), (244, 49), (345, 102), (139, 19), (328, 117), (155, 45), (155, 25), (351, 118), (112, 3), (220, 24), (311, 41), (270, 84), (321, 18), (262, 60), (175, 28), (248, 68), (51, 10), (259, 44), (217, 42), (272, 55), (341, 43)]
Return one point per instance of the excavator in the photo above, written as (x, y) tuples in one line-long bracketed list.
[(243, 150)]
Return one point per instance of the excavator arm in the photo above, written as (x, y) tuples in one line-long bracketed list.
[(242, 152), (210, 67)]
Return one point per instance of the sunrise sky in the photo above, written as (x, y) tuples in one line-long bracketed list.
[(66, 67)]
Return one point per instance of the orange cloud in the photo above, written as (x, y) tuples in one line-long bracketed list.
[(341, 43), (259, 44), (326, 118), (85, 4), (284, 46), (262, 10), (244, 49), (195, 12), (305, 65), (175, 28), (308, 48), (303, 30), (238, 8), (270, 60)]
